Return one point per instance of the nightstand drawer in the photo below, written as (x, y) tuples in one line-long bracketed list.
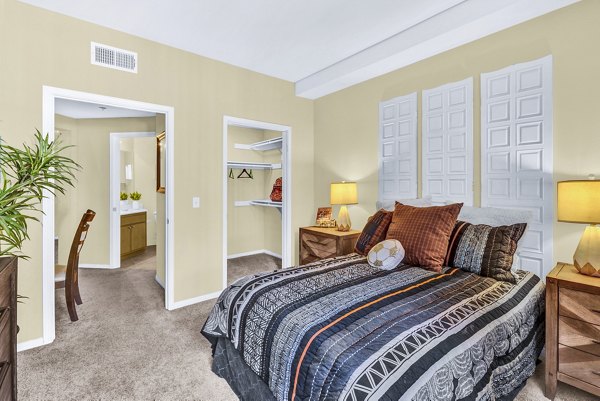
[(579, 305), (579, 364), (314, 248), (318, 243), (580, 335), (572, 330)]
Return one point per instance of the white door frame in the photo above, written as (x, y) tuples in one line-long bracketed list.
[(115, 190), (49, 95), (286, 174)]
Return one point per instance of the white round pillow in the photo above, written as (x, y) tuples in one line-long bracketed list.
[(386, 255)]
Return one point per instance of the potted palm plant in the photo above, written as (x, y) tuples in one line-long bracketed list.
[(25, 174)]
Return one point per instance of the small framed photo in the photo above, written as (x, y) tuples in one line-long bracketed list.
[(324, 213), (324, 217)]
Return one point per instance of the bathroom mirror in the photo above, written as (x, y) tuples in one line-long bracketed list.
[(161, 158)]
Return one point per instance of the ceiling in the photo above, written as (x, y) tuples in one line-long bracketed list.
[(318, 44), (78, 110)]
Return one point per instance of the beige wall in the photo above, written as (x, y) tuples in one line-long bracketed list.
[(346, 122), (43, 48), (245, 224), (91, 149), (252, 228)]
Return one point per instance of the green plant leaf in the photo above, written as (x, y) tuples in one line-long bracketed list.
[(27, 175)]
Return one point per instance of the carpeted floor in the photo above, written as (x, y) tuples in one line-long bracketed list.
[(241, 267), (126, 346)]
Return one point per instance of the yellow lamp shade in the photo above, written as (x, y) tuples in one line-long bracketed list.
[(579, 201), (343, 193)]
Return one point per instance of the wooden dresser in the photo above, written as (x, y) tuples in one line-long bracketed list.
[(321, 243), (572, 330), (133, 234), (8, 329)]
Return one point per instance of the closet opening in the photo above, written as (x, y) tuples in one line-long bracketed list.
[(256, 196)]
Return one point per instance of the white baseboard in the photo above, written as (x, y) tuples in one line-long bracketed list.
[(96, 266), (275, 255), (196, 300), (25, 345), (159, 281), (250, 253)]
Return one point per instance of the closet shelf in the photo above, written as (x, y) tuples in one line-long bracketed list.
[(256, 166), (269, 144), (266, 202), (259, 202)]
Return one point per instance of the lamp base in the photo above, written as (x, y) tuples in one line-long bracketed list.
[(587, 255), (343, 219)]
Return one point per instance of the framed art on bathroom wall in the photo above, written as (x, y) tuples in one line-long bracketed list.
[(161, 158)]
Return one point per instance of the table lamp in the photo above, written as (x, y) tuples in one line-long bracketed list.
[(343, 193), (579, 202)]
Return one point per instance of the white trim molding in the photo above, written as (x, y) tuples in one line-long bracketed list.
[(195, 300), (256, 252), (49, 94), (25, 345)]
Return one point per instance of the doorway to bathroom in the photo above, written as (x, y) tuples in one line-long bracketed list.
[(93, 180), (133, 207)]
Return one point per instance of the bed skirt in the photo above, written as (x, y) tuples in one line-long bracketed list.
[(511, 372), (229, 365)]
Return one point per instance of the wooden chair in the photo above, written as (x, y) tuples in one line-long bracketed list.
[(68, 276)]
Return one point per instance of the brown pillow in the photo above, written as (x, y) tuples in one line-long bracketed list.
[(424, 233), (374, 231)]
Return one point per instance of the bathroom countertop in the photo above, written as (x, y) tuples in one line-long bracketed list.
[(132, 211)]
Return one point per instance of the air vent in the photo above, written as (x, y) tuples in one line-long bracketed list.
[(111, 57)]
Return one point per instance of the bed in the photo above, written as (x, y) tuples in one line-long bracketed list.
[(339, 329)]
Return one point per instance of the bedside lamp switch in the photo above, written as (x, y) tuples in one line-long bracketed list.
[(195, 202)]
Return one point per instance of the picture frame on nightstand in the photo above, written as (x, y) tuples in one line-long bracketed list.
[(324, 218)]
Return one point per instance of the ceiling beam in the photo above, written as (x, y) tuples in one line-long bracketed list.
[(464, 23)]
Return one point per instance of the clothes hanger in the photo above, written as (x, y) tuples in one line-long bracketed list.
[(231, 173), (246, 174)]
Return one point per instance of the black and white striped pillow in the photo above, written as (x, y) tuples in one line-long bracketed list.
[(485, 250)]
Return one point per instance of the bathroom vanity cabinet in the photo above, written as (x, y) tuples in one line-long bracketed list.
[(133, 233)]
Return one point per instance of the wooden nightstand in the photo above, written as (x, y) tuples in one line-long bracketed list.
[(572, 330), (320, 243)]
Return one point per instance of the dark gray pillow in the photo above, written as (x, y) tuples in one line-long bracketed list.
[(485, 250)]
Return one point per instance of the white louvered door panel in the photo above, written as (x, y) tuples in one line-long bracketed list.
[(516, 153), (398, 148), (447, 170)]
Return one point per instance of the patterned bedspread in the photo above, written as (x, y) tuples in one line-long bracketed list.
[(341, 329)]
